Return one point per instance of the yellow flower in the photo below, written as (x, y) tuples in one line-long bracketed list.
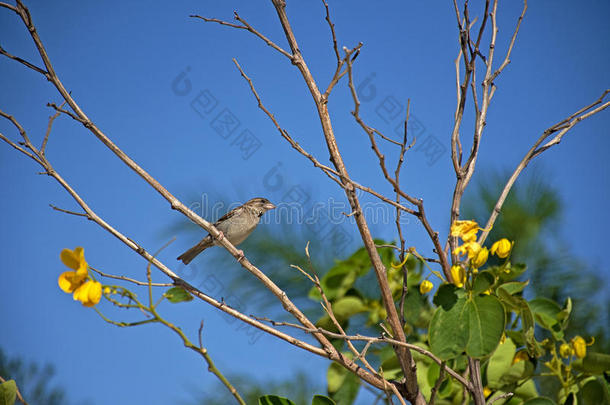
[(458, 275), (579, 346), (565, 350), (468, 248), (467, 230), (425, 287), (78, 281), (480, 258), (69, 281), (520, 356), (502, 248), (107, 290), (486, 392), (89, 293)]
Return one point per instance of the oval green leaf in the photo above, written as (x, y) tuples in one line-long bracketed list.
[(322, 400), (8, 392), (274, 400), (448, 333), (177, 294), (485, 320)]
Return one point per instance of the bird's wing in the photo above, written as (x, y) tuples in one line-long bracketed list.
[(228, 215)]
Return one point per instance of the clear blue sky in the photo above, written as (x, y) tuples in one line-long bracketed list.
[(120, 59)]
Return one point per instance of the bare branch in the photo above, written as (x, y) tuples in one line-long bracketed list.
[(247, 27), (405, 359), (373, 340), (332, 31), (23, 62), (560, 129), (131, 280), (52, 118), (327, 170)]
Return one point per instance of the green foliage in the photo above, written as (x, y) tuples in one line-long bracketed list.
[(177, 294), (34, 381), (275, 400), (343, 385), (8, 392), (472, 324)]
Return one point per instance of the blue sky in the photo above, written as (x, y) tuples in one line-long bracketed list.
[(120, 60)]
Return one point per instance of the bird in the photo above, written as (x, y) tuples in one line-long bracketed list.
[(236, 225)]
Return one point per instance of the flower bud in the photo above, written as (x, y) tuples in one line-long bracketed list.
[(502, 248), (425, 287)]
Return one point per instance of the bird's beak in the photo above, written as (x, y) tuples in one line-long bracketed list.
[(268, 206)]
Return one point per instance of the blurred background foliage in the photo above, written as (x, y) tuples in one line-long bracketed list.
[(33, 380)]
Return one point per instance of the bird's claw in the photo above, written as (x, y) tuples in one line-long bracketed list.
[(240, 256), (220, 235)]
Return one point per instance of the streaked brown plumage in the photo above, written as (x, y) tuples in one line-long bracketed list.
[(236, 225)]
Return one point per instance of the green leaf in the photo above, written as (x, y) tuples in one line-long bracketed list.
[(322, 400), (177, 294), (274, 400), (539, 401), (448, 334), (432, 375), (391, 368), (499, 363), (514, 287), (513, 302), (548, 314), (417, 310), (512, 272), (564, 315), (527, 322), (8, 392), (594, 392), (527, 390), (486, 320), (345, 307), (342, 276), (343, 385), (482, 282), (446, 296), (594, 363), (546, 310)]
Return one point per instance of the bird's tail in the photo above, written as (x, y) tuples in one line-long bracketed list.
[(190, 254)]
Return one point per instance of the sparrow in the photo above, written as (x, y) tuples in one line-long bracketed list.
[(236, 225)]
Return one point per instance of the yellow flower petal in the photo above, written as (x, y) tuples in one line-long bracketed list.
[(75, 259), (467, 230), (459, 275), (502, 248), (480, 258), (94, 294), (579, 346), (89, 293), (68, 258), (69, 281), (469, 248)]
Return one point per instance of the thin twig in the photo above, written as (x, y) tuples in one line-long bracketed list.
[(559, 130), (52, 118), (131, 280), (247, 27)]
